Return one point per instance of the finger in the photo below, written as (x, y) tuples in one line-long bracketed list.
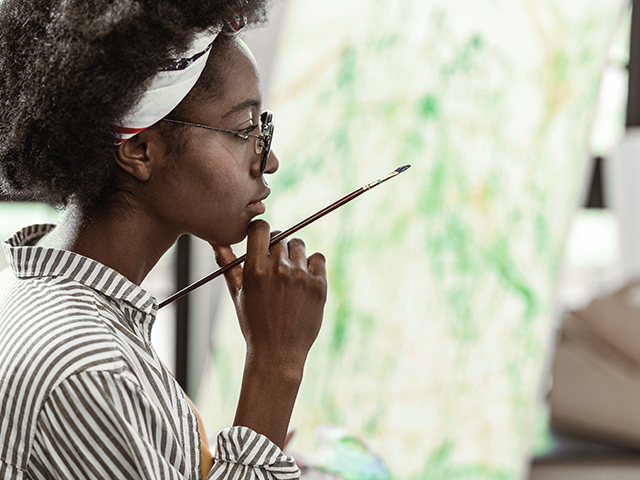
[(224, 255), (298, 253), (279, 250), (258, 239), (317, 264)]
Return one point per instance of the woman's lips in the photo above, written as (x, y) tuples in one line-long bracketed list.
[(257, 207)]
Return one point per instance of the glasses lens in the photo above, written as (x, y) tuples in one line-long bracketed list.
[(266, 119)]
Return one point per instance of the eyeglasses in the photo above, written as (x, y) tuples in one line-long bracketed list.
[(263, 142)]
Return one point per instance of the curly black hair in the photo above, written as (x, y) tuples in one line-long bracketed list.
[(70, 70)]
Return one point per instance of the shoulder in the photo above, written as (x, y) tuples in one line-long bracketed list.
[(50, 330), (54, 325)]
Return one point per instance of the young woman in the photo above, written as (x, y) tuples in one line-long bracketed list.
[(82, 392)]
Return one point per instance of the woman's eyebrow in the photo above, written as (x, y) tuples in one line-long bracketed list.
[(251, 103)]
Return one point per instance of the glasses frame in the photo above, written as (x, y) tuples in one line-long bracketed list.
[(263, 142)]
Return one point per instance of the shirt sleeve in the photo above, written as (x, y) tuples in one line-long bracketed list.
[(242, 453), (101, 425)]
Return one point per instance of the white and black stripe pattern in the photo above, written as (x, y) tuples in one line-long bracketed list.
[(83, 394)]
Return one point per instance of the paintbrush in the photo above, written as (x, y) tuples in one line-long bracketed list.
[(276, 238)]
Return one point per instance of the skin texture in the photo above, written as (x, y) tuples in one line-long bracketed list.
[(208, 187)]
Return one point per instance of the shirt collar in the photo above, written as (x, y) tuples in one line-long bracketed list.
[(28, 261)]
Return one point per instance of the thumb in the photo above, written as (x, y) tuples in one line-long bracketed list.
[(224, 255)]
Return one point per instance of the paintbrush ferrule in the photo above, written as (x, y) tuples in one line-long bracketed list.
[(386, 177)]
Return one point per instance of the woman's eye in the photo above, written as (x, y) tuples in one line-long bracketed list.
[(250, 129)]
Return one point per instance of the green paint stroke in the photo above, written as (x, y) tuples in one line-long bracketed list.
[(347, 68), (499, 258), (340, 285), (428, 106)]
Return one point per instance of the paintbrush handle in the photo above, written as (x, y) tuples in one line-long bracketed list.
[(276, 238)]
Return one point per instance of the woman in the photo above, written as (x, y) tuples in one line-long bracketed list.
[(82, 393)]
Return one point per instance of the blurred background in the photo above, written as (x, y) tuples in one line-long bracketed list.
[(447, 283)]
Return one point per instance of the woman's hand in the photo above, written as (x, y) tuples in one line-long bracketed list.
[(279, 298)]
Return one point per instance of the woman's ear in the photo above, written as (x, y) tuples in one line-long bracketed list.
[(140, 154)]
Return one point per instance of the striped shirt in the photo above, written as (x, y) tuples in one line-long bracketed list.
[(83, 395)]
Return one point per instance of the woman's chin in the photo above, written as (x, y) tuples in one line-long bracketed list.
[(228, 240)]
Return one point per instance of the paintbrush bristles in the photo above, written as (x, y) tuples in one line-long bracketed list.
[(337, 204)]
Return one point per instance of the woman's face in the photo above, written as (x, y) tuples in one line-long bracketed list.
[(211, 186)]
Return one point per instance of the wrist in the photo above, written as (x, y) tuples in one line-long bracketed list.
[(267, 397), (284, 367)]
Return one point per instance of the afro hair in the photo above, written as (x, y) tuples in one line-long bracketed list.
[(70, 70)]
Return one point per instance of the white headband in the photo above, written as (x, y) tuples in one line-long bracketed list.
[(168, 88)]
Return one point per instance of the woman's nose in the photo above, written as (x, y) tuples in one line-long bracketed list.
[(272, 163)]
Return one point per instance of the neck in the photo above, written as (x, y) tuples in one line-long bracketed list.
[(123, 239)]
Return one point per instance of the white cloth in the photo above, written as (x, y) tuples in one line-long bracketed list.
[(168, 87)]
